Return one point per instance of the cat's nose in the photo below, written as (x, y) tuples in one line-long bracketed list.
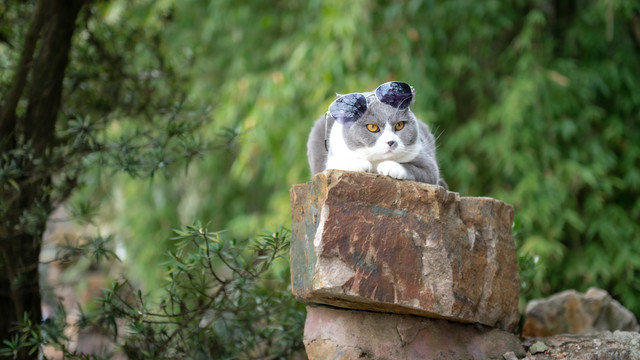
[(392, 144)]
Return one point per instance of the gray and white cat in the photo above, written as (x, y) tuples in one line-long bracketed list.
[(385, 139)]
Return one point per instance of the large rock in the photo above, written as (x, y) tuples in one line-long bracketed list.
[(371, 242), (331, 333), (571, 312)]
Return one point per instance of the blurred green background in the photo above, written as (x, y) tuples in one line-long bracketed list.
[(535, 103)]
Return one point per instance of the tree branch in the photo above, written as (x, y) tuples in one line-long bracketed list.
[(8, 109), (49, 68)]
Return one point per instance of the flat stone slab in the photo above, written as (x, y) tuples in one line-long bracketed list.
[(606, 345), (370, 242), (332, 333)]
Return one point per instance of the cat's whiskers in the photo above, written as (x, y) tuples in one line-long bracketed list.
[(436, 137)]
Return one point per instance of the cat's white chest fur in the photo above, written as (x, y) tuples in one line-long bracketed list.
[(383, 157)]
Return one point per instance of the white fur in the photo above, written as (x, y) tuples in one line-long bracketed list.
[(393, 169), (378, 158)]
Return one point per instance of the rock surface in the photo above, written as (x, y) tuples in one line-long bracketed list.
[(619, 345), (371, 242), (332, 333), (571, 312)]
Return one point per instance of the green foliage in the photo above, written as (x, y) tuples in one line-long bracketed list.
[(240, 309), (534, 102), (123, 111)]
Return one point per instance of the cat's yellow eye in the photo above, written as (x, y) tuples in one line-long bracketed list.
[(373, 127), (399, 125)]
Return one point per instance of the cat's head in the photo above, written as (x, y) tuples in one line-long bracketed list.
[(382, 133)]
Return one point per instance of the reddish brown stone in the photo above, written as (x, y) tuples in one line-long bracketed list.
[(370, 242), (332, 333)]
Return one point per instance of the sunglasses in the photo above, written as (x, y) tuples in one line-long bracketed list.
[(347, 109)]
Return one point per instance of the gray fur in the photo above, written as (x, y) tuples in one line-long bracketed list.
[(423, 167)]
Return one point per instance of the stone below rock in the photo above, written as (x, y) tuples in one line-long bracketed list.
[(570, 312), (332, 333), (370, 242), (619, 345)]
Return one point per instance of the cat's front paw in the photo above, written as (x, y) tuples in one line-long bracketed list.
[(392, 169), (349, 165)]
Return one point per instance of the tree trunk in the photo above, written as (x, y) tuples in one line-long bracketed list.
[(50, 33)]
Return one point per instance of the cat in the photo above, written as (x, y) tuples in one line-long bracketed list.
[(375, 132)]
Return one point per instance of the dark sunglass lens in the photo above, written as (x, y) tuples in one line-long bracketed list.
[(395, 93), (348, 108)]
